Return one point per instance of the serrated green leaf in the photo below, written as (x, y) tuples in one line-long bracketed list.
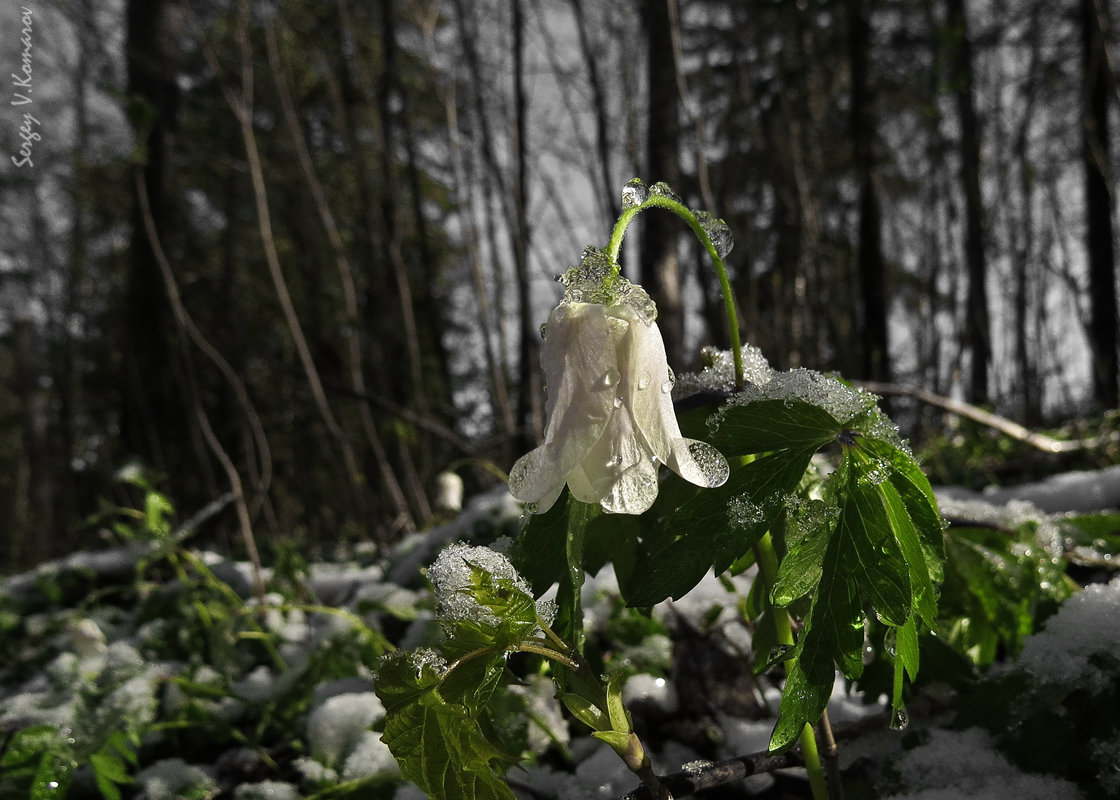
[(807, 538), (917, 495), (834, 628), (906, 647), (871, 553), (803, 700), (832, 634), (440, 746), (702, 535), (765, 425), (925, 597)]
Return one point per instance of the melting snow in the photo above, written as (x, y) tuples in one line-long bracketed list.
[(964, 764)]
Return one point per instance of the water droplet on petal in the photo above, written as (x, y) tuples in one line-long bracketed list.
[(706, 465), (666, 386), (618, 401), (634, 193), (611, 377), (644, 380)]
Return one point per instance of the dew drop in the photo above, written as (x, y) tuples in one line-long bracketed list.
[(611, 377), (644, 380), (634, 193), (711, 464), (718, 231), (618, 401), (742, 512), (778, 651), (666, 386), (900, 718), (664, 190), (890, 642)]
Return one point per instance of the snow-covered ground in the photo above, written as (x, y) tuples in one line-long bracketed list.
[(107, 665)]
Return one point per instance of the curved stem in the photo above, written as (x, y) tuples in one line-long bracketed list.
[(614, 247)]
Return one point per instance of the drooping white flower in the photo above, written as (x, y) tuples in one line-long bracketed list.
[(610, 408)]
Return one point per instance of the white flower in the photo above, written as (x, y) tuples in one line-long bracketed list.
[(610, 411)]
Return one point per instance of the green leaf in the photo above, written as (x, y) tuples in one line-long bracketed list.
[(766, 425), (538, 550), (715, 527), (917, 495), (585, 710), (906, 646), (803, 700), (870, 552), (440, 747), (53, 775), (108, 764), (808, 530), (832, 633), (925, 597)]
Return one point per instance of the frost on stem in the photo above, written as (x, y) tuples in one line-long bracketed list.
[(718, 373), (610, 409)]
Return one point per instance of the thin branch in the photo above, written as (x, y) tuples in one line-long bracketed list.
[(721, 773), (212, 442), (1047, 444), (241, 106), (342, 261)]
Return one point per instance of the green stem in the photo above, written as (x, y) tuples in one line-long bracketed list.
[(767, 561), (614, 247)]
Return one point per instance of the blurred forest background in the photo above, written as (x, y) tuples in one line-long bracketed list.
[(300, 251)]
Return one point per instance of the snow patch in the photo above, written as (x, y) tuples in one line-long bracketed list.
[(955, 764)]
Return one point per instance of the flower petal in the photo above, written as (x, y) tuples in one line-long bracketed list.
[(634, 491), (698, 462), (536, 479), (582, 379), (618, 449)]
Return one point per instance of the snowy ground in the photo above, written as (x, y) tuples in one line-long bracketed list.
[(91, 645)]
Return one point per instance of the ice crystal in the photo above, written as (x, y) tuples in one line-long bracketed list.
[(453, 576)]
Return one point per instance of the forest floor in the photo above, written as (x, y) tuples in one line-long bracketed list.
[(144, 659)]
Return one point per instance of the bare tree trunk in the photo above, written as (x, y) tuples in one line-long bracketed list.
[(152, 416), (530, 424), (39, 490), (977, 325), (1098, 205), (1023, 237), (602, 116), (661, 271), (872, 271)]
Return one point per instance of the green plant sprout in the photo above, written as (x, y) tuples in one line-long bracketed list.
[(857, 551)]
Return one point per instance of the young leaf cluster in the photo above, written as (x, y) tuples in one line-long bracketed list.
[(438, 721)]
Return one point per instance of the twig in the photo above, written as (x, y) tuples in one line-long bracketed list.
[(720, 773), (831, 760), (184, 321), (1041, 441)]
